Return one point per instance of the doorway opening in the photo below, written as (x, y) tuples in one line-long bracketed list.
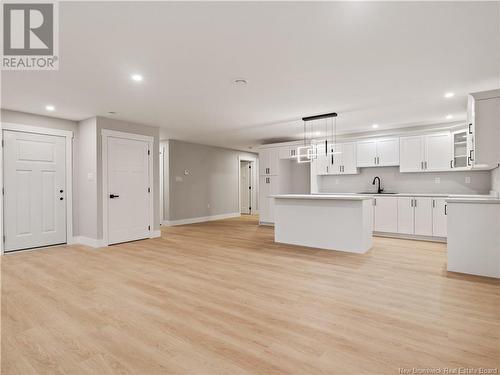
[(246, 187)]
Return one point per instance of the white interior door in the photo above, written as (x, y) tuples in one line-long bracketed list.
[(128, 190), (35, 190), (245, 186)]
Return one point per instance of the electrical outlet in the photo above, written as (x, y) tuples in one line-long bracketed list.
[(467, 179), (437, 180)]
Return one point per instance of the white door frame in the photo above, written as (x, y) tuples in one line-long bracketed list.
[(105, 134), (253, 195), (68, 134)]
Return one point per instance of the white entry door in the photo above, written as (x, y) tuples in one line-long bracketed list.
[(245, 187), (35, 190), (129, 193)]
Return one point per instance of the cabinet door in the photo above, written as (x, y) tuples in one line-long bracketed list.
[(411, 154), (264, 191), (405, 215), (438, 152), (274, 161), (336, 159), (263, 162), (423, 216), (439, 225), (366, 153), (387, 152), (349, 158), (273, 189), (386, 214)]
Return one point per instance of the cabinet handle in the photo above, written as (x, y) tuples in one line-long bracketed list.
[(446, 209), (378, 160), (374, 201), (470, 125), (332, 159), (422, 165), (451, 163), (470, 155), (415, 202), (425, 163), (411, 202), (433, 203), (326, 147), (468, 162), (375, 160)]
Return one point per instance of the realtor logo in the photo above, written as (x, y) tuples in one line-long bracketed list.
[(29, 36)]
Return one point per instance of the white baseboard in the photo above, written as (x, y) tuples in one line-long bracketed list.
[(202, 219), (87, 241), (156, 234), (410, 237)]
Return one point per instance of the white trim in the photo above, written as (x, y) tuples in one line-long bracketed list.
[(91, 242), (133, 136), (410, 237), (68, 134), (255, 181), (156, 234), (105, 134), (201, 219)]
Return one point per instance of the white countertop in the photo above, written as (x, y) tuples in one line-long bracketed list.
[(474, 200), (443, 195), (349, 197)]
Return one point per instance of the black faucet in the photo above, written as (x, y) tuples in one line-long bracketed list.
[(379, 190)]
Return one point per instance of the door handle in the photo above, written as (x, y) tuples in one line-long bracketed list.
[(112, 196)]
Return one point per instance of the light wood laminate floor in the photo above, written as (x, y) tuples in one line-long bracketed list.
[(223, 298)]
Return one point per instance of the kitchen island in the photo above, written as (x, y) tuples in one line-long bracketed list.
[(333, 222)]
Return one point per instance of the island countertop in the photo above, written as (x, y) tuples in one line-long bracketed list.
[(347, 197)]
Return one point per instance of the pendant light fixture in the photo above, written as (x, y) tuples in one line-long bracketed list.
[(308, 152)]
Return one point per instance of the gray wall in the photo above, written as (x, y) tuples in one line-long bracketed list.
[(393, 180), (211, 188), (129, 127)]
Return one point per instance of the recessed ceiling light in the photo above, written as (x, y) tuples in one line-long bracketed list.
[(240, 81), (137, 77), (449, 95), (449, 117), (50, 108), (375, 126)]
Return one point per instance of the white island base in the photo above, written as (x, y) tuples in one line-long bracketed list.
[(332, 222)]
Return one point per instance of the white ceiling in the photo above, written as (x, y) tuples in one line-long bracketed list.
[(387, 63)]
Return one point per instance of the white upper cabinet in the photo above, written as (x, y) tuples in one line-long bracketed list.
[(342, 161), (288, 152), (438, 152), (388, 152), (426, 153), (366, 153), (411, 156), (483, 115), (269, 161), (381, 152), (349, 158)]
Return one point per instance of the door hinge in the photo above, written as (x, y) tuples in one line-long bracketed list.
[(149, 227), (149, 190), (249, 167), (250, 187)]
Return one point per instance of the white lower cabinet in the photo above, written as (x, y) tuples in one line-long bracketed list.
[(439, 223), (267, 187), (415, 216), (385, 214), (423, 216)]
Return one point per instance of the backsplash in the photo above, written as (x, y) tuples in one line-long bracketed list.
[(394, 181)]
